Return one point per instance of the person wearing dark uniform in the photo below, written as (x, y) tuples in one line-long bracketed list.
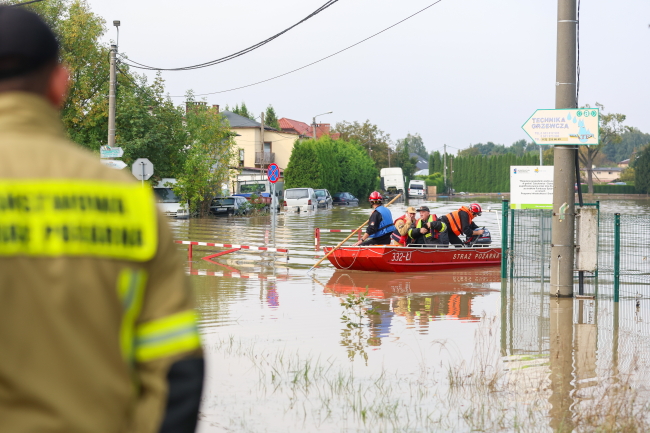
[(380, 223), (428, 230), (462, 222), (97, 326)]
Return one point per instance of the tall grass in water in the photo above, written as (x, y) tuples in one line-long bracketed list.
[(488, 393)]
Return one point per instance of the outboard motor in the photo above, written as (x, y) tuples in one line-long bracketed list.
[(477, 240)]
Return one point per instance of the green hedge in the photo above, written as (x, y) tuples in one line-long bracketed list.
[(611, 189)]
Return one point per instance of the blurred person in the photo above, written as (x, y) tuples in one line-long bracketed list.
[(97, 326), (428, 230), (380, 223), (462, 222), (400, 237)]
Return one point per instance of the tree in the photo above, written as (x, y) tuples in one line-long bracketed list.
[(404, 160), (642, 171), (610, 130), (336, 165), (270, 118), (631, 140), (242, 111), (414, 144), (375, 141), (209, 158)]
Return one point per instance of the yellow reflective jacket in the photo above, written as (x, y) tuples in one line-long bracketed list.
[(95, 305)]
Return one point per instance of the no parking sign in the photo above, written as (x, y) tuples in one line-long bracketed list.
[(273, 173)]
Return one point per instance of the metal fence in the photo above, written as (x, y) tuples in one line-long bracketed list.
[(623, 251)]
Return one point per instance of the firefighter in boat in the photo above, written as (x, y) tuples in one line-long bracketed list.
[(380, 224), (462, 222), (400, 236), (429, 230)]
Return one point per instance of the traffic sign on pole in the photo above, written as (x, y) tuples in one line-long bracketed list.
[(142, 169), (273, 173), (113, 163), (111, 152), (564, 126)]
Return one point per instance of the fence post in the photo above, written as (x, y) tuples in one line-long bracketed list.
[(504, 238), (317, 238), (512, 242), (617, 254), (189, 252)]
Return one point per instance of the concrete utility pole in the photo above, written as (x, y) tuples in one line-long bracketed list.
[(263, 154), (562, 235), (111, 98)]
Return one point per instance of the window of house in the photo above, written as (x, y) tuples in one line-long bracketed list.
[(241, 157), (267, 147)]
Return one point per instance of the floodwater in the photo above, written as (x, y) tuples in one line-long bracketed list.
[(289, 350)]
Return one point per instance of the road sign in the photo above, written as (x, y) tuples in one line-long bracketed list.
[(111, 152), (142, 169), (564, 126), (273, 173), (113, 163)]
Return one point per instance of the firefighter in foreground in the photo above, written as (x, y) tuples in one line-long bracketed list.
[(428, 230), (97, 327), (380, 223), (462, 222)]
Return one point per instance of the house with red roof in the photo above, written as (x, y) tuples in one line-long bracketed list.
[(305, 130)]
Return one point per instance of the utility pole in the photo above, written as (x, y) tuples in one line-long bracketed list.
[(444, 165), (111, 98), (262, 153), (562, 235)]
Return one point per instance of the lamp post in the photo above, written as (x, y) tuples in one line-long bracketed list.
[(314, 123)]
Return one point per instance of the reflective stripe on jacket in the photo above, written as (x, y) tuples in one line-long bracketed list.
[(386, 222), (454, 220), (419, 225)]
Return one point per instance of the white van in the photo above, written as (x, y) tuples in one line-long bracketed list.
[(417, 188), (168, 202), (300, 199)]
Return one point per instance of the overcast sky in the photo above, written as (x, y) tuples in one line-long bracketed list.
[(461, 72)]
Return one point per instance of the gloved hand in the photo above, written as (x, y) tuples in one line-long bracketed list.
[(443, 228)]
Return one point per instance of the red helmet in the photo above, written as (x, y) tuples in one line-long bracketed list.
[(375, 196), (476, 208)]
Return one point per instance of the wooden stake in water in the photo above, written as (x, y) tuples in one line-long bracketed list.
[(349, 236)]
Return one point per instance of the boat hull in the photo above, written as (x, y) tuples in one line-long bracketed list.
[(386, 258)]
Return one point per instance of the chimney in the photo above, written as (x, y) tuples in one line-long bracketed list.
[(216, 107)]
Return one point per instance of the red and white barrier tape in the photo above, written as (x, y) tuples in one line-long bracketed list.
[(243, 247)]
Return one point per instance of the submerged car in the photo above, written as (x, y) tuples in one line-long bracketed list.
[(231, 205), (299, 199), (344, 198), (323, 198)]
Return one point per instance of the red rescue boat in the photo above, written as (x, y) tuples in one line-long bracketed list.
[(389, 258)]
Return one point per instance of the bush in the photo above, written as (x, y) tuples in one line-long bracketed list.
[(611, 189)]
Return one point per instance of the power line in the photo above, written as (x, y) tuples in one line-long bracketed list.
[(26, 3), (135, 64), (317, 61)]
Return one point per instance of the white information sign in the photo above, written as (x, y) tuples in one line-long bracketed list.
[(564, 126), (113, 163), (531, 187)]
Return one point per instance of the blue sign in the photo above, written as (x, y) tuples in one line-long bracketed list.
[(273, 173)]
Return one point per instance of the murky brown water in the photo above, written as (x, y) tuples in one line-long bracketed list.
[(444, 351)]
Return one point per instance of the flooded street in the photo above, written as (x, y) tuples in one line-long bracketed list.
[(443, 351)]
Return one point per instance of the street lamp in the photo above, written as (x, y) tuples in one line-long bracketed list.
[(314, 123), (116, 23)]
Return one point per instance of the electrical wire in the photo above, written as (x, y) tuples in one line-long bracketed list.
[(26, 3), (138, 65), (317, 61)]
